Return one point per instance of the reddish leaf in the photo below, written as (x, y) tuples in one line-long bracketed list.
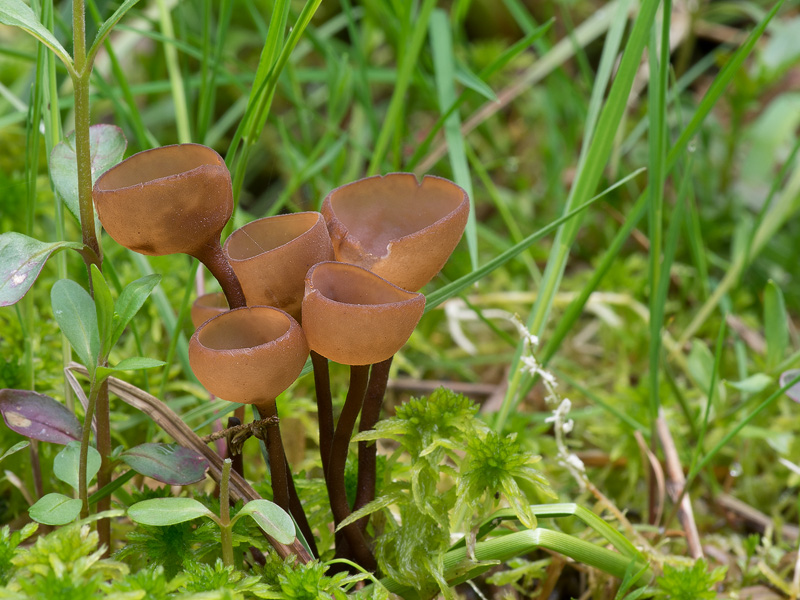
[(170, 464), (39, 417)]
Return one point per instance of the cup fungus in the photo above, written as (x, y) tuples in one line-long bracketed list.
[(250, 355), (397, 227), (271, 257), (354, 317), (171, 199), (207, 306)]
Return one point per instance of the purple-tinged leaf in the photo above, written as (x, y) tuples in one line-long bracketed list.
[(39, 417), (794, 391), (21, 261), (170, 464)]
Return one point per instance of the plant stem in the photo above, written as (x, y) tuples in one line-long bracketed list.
[(322, 386), (277, 457), (337, 492), (214, 260), (103, 424), (80, 82), (83, 493), (236, 459), (226, 534), (368, 451)]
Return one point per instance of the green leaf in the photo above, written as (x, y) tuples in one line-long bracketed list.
[(55, 509), (109, 24), (776, 326), (74, 311), (130, 301), (106, 147), (271, 518), (18, 14), (21, 261), (104, 309), (753, 384), (168, 511), (67, 464), (15, 448), (701, 364), (135, 363), (466, 77)]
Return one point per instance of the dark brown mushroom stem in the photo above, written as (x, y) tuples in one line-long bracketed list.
[(359, 377), (368, 451), (284, 494), (212, 257), (277, 457), (322, 386), (299, 514)]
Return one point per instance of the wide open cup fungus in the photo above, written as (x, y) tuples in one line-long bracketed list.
[(354, 317), (207, 306), (248, 355), (397, 227), (166, 200), (271, 257)]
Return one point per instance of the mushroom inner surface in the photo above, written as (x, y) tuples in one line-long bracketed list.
[(350, 284), (157, 164), (379, 210), (267, 234), (243, 328)]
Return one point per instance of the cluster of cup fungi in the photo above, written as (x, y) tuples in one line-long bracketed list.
[(341, 285)]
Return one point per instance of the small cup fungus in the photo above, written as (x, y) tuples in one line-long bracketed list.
[(271, 257), (397, 227), (168, 200), (207, 306), (354, 317)]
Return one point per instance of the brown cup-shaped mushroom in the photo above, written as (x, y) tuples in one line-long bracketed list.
[(207, 306), (271, 257), (354, 317), (248, 355), (397, 227), (168, 200)]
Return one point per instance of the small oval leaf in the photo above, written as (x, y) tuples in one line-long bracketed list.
[(170, 464), (271, 518), (794, 391), (753, 384), (39, 417), (55, 509), (106, 147), (74, 311), (167, 511), (21, 261), (67, 463)]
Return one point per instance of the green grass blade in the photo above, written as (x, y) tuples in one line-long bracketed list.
[(392, 119), (179, 100), (454, 288), (657, 113), (501, 61), (712, 388), (444, 67), (592, 167)]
